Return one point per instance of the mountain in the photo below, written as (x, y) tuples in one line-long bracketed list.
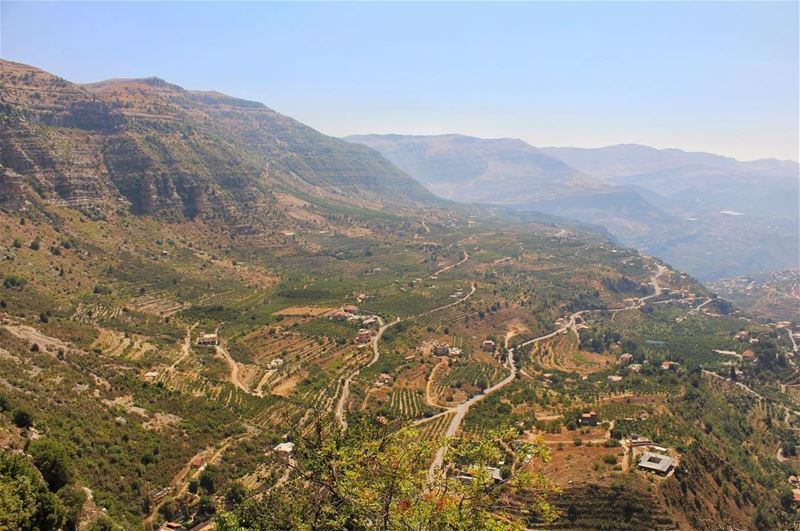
[(694, 181), (710, 215), (470, 169), (157, 148)]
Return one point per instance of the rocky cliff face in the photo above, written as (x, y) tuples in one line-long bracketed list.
[(158, 149)]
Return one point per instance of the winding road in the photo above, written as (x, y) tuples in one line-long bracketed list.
[(376, 354), (339, 412), (462, 409), (453, 266)]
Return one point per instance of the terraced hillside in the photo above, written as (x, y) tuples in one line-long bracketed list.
[(166, 357)]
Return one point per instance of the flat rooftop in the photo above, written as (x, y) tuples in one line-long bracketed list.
[(656, 462)]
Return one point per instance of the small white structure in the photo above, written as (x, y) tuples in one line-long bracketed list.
[(284, 447), (208, 340)]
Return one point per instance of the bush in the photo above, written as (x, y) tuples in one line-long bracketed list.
[(207, 481), (610, 459), (23, 419), (73, 499), (51, 458), (12, 282), (17, 243), (25, 502), (35, 244), (236, 493), (577, 441)]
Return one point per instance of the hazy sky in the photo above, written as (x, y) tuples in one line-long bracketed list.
[(720, 77)]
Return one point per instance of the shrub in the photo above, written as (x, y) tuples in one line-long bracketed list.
[(35, 244), (22, 418), (236, 493), (51, 458), (12, 282)]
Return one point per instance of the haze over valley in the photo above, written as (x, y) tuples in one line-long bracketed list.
[(712, 216)]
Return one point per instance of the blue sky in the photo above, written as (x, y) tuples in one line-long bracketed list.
[(720, 77)]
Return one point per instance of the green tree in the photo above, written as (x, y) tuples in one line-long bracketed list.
[(23, 419), (376, 477), (52, 460), (25, 502), (206, 480), (73, 499), (235, 493)]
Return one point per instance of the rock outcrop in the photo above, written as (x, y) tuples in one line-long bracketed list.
[(157, 149)]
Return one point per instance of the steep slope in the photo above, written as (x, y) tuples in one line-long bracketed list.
[(160, 149)]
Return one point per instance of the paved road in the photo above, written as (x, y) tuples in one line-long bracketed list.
[(756, 394)]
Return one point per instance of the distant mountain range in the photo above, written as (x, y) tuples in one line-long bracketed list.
[(710, 215)]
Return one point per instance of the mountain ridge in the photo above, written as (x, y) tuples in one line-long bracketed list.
[(709, 214), (157, 148)]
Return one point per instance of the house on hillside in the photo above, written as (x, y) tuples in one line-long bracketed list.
[(748, 355), (668, 365), (657, 463), (384, 379), (441, 349), (625, 358), (349, 308), (364, 336), (488, 346), (587, 419), (208, 340), (635, 367)]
